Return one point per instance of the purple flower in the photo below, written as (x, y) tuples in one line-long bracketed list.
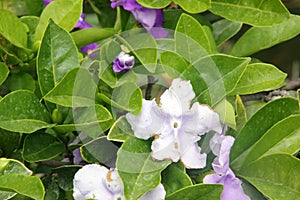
[(175, 125), (82, 24), (221, 145), (151, 19), (46, 2), (123, 62), (97, 182)]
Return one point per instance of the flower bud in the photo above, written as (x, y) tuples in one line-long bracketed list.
[(123, 62)]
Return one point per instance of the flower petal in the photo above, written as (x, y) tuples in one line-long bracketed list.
[(149, 122), (192, 158), (157, 193), (165, 147), (177, 99), (201, 119), (89, 182), (145, 16)]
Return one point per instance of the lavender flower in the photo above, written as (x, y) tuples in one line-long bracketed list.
[(175, 126), (151, 19), (46, 2), (99, 183), (123, 62), (221, 145)]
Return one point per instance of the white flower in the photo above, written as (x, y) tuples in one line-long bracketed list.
[(175, 125), (97, 182)]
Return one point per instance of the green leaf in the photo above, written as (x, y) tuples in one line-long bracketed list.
[(138, 171), (199, 192), (89, 35), (76, 89), (276, 176), (258, 125), (31, 22), (191, 6), (65, 13), (212, 76), (174, 179), (143, 46), (224, 30), (52, 191), (120, 130), (41, 146), (283, 137), (20, 81), (241, 114), (256, 13), (9, 141), (126, 97), (226, 113), (9, 168), (191, 40), (194, 6), (259, 38), (30, 186), (259, 77), (12, 29), (55, 57), (4, 71), (99, 150), (21, 111), (65, 175), (93, 120)]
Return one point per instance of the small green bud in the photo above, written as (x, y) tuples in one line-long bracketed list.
[(56, 116)]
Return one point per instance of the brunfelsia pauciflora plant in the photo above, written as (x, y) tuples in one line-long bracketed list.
[(157, 112)]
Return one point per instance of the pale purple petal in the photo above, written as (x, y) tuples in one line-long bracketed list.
[(90, 47), (158, 32), (232, 186), (145, 16), (89, 182), (192, 158), (149, 122), (165, 147), (157, 193), (177, 99), (221, 162), (206, 120), (127, 4)]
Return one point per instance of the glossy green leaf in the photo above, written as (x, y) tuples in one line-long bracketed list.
[(87, 117), (252, 192), (21, 111), (55, 57), (224, 30), (41, 146), (31, 22), (127, 97), (276, 176), (226, 113), (30, 186), (191, 6), (138, 171), (65, 13), (199, 192), (194, 6), (52, 191), (65, 175), (87, 36), (241, 114), (76, 89), (143, 46), (20, 81), (258, 125), (259, 38), (9, 141), (3, 72), (212, 77), (99, 150), (256, 13), (120, 130), (174, 179), (283, 137), (12, 29), (259, 77), (154, 4), (191, 40)]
